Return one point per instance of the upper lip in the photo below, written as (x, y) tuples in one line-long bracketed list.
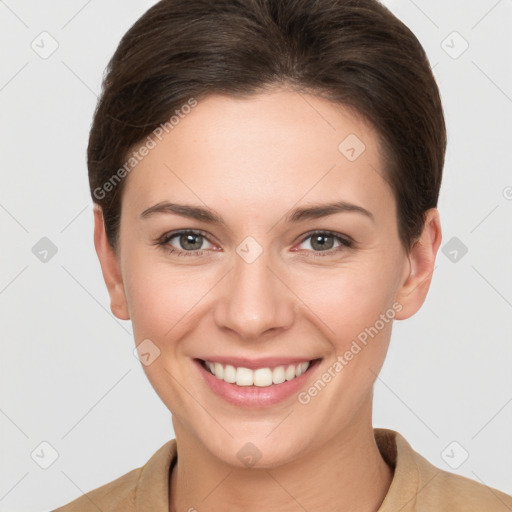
[(261, 362)]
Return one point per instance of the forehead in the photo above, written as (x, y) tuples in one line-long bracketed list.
[(274, 148)]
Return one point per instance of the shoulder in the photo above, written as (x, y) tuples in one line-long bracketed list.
[(124, 493), (443, 490), (116, 495), (418, 485)]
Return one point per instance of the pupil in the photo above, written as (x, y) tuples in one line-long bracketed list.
[(187, 241), (323, 246)]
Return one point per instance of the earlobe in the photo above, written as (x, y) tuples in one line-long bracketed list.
[(422, 257), (110, 267)]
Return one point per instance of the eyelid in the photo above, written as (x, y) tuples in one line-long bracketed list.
[(167, 237), (171, 234), (344, 238)]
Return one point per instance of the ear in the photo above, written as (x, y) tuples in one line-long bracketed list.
[(110, 267), (422, 257)]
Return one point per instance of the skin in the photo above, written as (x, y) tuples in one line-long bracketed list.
[(253, 160)]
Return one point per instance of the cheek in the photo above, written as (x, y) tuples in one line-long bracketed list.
[(166, 304), (347, 299), (162, 298), (163, 303)]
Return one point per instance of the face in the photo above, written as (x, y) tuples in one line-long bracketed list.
[(244, 262)]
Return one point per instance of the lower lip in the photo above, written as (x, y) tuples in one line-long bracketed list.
[(255, 396)]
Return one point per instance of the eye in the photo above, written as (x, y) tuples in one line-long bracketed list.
[(184, 242), (192, 243), (326, 243)]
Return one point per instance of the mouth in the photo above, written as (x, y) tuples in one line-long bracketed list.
[(259, 386), (256, 383), (258, 375)]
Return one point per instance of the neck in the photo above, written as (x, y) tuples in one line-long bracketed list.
[(345, 474)]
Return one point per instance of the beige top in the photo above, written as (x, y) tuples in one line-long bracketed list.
[(417, 485)]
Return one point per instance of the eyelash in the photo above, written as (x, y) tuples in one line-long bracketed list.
[(163, 243)]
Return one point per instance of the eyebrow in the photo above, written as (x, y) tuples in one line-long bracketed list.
[(297, 215)]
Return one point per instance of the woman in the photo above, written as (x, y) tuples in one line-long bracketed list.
[(266, 176)]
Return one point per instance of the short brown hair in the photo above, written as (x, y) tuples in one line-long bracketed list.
[(353, 52)]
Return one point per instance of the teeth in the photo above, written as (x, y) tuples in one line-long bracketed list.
[(244, 377), (229, 374), (262, 377), (218, 370)]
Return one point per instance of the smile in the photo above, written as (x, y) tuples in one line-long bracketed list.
[(260, 377)]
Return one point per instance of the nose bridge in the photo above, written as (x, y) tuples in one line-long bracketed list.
[(255, 300)]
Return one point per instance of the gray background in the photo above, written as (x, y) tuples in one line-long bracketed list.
[(68, 374)]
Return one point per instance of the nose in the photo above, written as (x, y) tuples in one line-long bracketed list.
[(255, 300)]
